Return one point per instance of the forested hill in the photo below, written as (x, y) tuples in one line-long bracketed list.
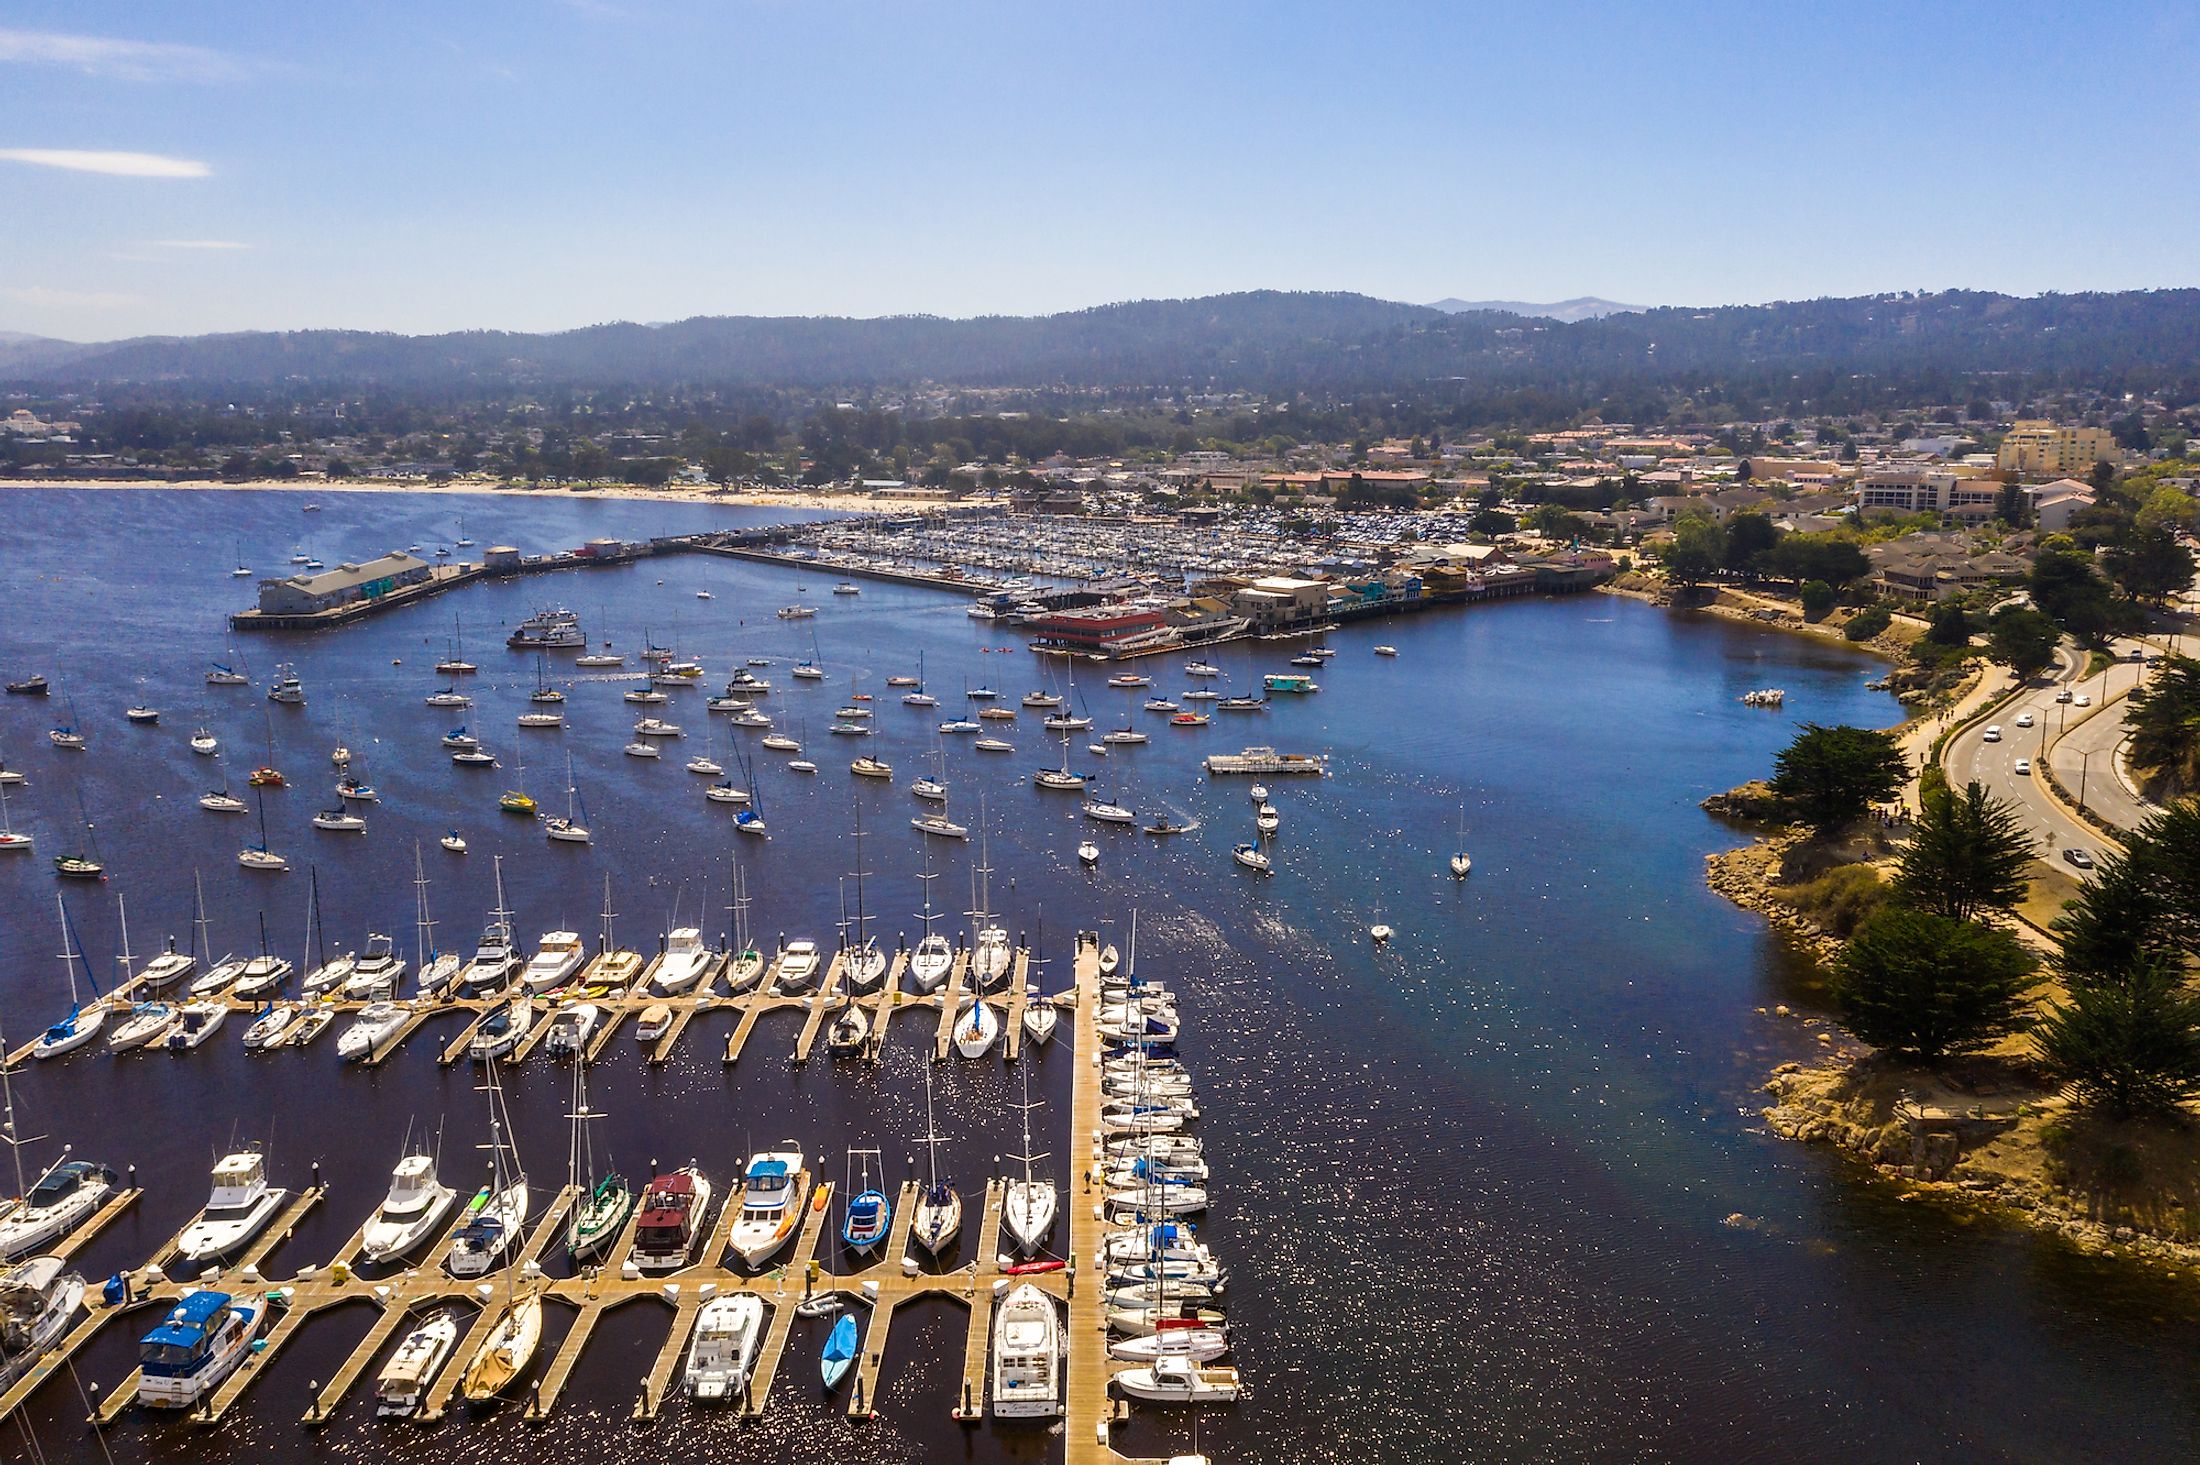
[(1260, 340)]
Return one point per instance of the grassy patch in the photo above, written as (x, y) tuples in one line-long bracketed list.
[(1839, 899)]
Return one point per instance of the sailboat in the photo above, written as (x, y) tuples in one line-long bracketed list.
[(82, 1024), (84, 866), (455, 664), (495, 958), (573, 828), (1460, 864), (65, 1197), (939, 1211), (9, 838), (498, 1211), (936, 822), (438, 969), (864, 962), (597, 1220), (745, 964), (810, 669), (990, 954), (934, 959), (919, 697), (1027, 1210), (259, 856)]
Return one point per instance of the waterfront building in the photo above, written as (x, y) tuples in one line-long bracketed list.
[(347, 583)]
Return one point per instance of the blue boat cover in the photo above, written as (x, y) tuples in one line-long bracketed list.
[(842, 1343), (768, 1170), (186, 1322)]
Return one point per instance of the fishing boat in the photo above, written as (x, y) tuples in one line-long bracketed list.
[(938, 1216), (1180, 1381), (405, 1380), (1267, 819), (1027, 1355), (839, 1356), (548, 630), (287, 688), (723, 1348), (558, 955), (372, 1031), (1088, 853), (38, 1301), (608, 1200), (201, 1341), (674, 1210), (410, 1213), (1029, 1204), (241, 1206), (773, 1189)]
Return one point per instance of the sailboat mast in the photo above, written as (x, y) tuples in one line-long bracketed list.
[(202, 948), (68, 952), (122, 919)]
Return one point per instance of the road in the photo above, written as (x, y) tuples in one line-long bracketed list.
[(1970, 757)]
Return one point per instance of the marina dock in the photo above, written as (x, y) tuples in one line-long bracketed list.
[(886, 1282)]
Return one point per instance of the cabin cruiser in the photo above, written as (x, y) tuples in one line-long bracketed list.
[(372, 1031), (573, 1027), (1174, 1380), (727, 1332), (673, 1211), (798, 966), (241, 1207), (503, 1029), (556, 958), (65, 1197), (168, 967), (404, 1381), (38, 1301), (686, 961), (377, 972), (772, 1191), (494, 961), (549, 630), (410, 1213), (1027, 1355), (201, 1342)]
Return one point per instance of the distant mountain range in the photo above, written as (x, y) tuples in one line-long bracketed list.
[(1274, 341), (1581, 307)]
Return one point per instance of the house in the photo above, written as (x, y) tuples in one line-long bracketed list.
[(2055, 504)]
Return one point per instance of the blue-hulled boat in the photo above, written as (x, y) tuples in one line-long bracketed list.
[(840, 1352)]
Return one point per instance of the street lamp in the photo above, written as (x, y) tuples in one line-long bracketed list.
[(2085, 761)]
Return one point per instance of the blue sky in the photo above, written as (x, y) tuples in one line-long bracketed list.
[(418, 167)]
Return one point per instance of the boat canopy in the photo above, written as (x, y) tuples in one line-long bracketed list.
[(188, 1321)]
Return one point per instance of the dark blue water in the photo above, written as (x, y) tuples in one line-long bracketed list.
[(1476, 1186)]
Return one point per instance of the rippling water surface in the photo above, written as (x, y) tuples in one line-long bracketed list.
[(1475, 1187)]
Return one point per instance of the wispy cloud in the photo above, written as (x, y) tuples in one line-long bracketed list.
[(52, 299), (198, 244), (120, 165), (122, 59)]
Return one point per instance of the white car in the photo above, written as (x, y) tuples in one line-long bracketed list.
[(2024, 719), (2081, 700), (2024, 766), (1993, 734)]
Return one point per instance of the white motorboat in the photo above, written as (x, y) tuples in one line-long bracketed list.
[(195, 1023), (204, 743), (976, 1028), (558, 955), (1258, 793), (405, 1380), (65, 1197), (1088, 853), (314, 1022), (686, 961), (798, 966), (652, 1022), (493, 962), (411, 1212), (1267, 819), (503, 1030), (169, 967), (723, 1347), (1175, 1380), (1027, 1355), (572, 1029), (773, 1190), (200, 1342), (490, 1225), (704, 767), (1199, 1345), (241, 1206), (372, 1031), (376, 972)]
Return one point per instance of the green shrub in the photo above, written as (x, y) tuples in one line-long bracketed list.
[(1817, 597), (1868, 623), (1838, 900)]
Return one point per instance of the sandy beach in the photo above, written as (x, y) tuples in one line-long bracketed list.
[(746, 498)]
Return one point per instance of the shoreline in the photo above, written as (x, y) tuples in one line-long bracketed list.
[(852, 503)]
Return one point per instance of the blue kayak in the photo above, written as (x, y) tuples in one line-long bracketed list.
[(840, 1352)]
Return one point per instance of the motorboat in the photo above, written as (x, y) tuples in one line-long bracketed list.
[(798, 966), (38, 1301), (1176, 1380), (65, 1197), (572, 1028), (1027, 1355), (1267, 819), (372, 1031), (994, 745), (200, 1342), (686, 961), (315, 1021), (410, 1213), (259, 975), (976, 1029), (241, 1206), (653, 1022), (673, 1212), (558, 955), (772, 1192), (506, 1352), (195, 1023), (503, 1030), (377, 971), (1380, 934), (723, 1348), (339, 820), (405, 1380)]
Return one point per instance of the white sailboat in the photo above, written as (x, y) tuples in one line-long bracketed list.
[(1028, 1208), (938, 1216), (438, 969), (934, 958), (82, 1023), (495, 1216)]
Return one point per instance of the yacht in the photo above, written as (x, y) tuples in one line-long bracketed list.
[(723, 1349), (772, 1193), (673, 1212), (549, 630), (556, 958), (686, 961), (377, 971), (503, 1030), (195, 1023), (1171, 1380), (1027, 1356), (167, 968), (241, 1207), (798, 966), (495, 958), (65, 1197), (405, 1380), (372, 1031), (201, 1342), (288, 689), (410, 1213), (38, 1301)]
